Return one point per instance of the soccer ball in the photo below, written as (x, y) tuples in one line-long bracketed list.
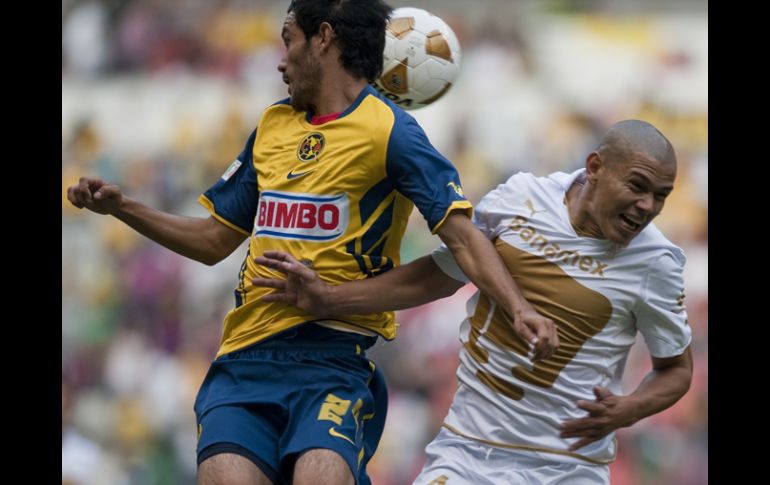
[(421, 58)]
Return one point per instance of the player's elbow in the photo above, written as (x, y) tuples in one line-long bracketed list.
[(214, 253), (211, 252), (217, 242)]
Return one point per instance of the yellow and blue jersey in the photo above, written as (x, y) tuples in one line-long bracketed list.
[(337, 194)]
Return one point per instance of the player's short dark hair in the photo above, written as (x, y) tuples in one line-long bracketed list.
[(359, 26)]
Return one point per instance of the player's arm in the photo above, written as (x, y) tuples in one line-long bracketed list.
[(666, 383), (481, 263), (206, 240), (405, 286), (662, 319)]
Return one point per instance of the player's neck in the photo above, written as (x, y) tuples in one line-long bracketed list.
[(337, 92), (578, 207)]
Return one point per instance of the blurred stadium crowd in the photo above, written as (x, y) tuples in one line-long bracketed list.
[(160, 96)]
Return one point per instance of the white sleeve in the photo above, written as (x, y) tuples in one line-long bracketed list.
[(661, 316), (443, 258)]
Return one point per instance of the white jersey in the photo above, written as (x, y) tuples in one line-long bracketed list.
[(597, 295)]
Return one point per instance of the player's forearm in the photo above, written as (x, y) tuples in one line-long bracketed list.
[(410, 285), (662, 388), (189, 236), (481, 263)]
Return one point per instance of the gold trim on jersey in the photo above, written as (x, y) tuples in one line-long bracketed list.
[(456, 205), (205, 202), (528, 447)]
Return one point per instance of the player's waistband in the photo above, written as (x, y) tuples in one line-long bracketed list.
[(308, 337)]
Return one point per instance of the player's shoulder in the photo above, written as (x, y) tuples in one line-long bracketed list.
[(555, 180), (280, 106), (562, 180), (523, 182), (658, 247), (282, 102), (380, 98), (278, 111), (380, 102), (516, 189)]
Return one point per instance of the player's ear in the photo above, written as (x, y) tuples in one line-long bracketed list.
[(594, 164), (325, 35)]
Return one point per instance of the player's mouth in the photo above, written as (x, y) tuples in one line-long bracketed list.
[(288, 84), (631, 224)]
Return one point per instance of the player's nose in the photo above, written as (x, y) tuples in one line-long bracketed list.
[(645, 202)]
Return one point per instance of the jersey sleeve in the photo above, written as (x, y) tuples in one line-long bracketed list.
[(661, 316), (233, 199), (422, 174), (443, 258)]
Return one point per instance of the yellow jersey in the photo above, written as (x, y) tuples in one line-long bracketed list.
[(338, 194)]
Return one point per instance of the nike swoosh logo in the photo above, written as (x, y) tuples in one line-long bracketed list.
[(293, 175), (334, 433)]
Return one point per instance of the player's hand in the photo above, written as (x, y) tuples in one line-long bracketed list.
[(96, 195), (606, 414), (302, 287), (538, 330)]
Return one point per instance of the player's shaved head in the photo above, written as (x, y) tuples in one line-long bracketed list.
[(630, 138)]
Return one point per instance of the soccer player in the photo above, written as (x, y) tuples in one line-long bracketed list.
[(582, 249), (332, 172)]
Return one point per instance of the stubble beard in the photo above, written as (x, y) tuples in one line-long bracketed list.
[(306, 83)]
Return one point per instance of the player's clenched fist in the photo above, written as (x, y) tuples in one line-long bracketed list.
[(96, 195)]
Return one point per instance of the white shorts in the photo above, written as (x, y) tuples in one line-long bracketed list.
[(455, 460)]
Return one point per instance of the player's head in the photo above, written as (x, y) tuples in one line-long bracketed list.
[(350, 33), (358, 26), (629, 176)]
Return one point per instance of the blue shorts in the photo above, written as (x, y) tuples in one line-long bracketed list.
[(308, 387)]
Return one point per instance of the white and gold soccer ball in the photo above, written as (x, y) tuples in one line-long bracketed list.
[(421, 58)]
